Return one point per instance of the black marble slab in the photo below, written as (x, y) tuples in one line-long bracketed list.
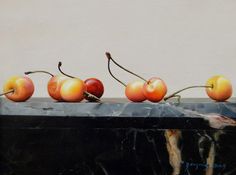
[(117, 108), (116, 137)]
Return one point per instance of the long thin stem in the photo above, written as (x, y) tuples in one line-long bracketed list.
[(59, 68), (110, 58), (39, 71), (190, 87), (109, 69), (8, 92)]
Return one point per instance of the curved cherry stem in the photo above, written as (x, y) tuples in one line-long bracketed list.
[(110, 58), (109, 69), (59, 68), (190, 87), (39, 71), (89, 96), (8, 92)]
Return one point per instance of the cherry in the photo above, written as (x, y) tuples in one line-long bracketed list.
[(94, 86), (18, 88), (153, 89), (221, 88)]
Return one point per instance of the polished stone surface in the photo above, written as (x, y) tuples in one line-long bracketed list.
[(118, 108), (116, 137)]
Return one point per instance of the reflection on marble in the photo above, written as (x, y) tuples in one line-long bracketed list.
[(41, 137)]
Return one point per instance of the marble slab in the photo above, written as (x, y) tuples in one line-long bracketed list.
[(116, 137), (117, 108)]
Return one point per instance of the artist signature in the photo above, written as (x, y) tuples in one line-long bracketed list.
[(203, 166)]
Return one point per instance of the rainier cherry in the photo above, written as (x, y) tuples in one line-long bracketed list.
[(72, 90), (155, 89), (221, 88), (18, 88)]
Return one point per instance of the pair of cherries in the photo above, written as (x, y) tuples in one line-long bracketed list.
[(71, 89), (153, 89)]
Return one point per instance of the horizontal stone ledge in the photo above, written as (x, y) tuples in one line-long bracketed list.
[(118, 108)]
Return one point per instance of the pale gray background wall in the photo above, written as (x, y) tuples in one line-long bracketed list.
[(182, 41)]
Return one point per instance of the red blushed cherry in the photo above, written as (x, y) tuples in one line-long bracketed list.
[(18, 88), (134, 91), (155, 89), (94, 87)]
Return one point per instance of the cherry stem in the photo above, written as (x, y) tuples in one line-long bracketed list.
[(39, 71), (110, 58), (190, 87), (8, 92), (90, 96), (109, 69), (59, 68)]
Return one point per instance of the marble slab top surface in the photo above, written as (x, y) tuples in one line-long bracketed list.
[(115, 107)]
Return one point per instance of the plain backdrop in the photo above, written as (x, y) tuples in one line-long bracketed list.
[(184, 42)]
